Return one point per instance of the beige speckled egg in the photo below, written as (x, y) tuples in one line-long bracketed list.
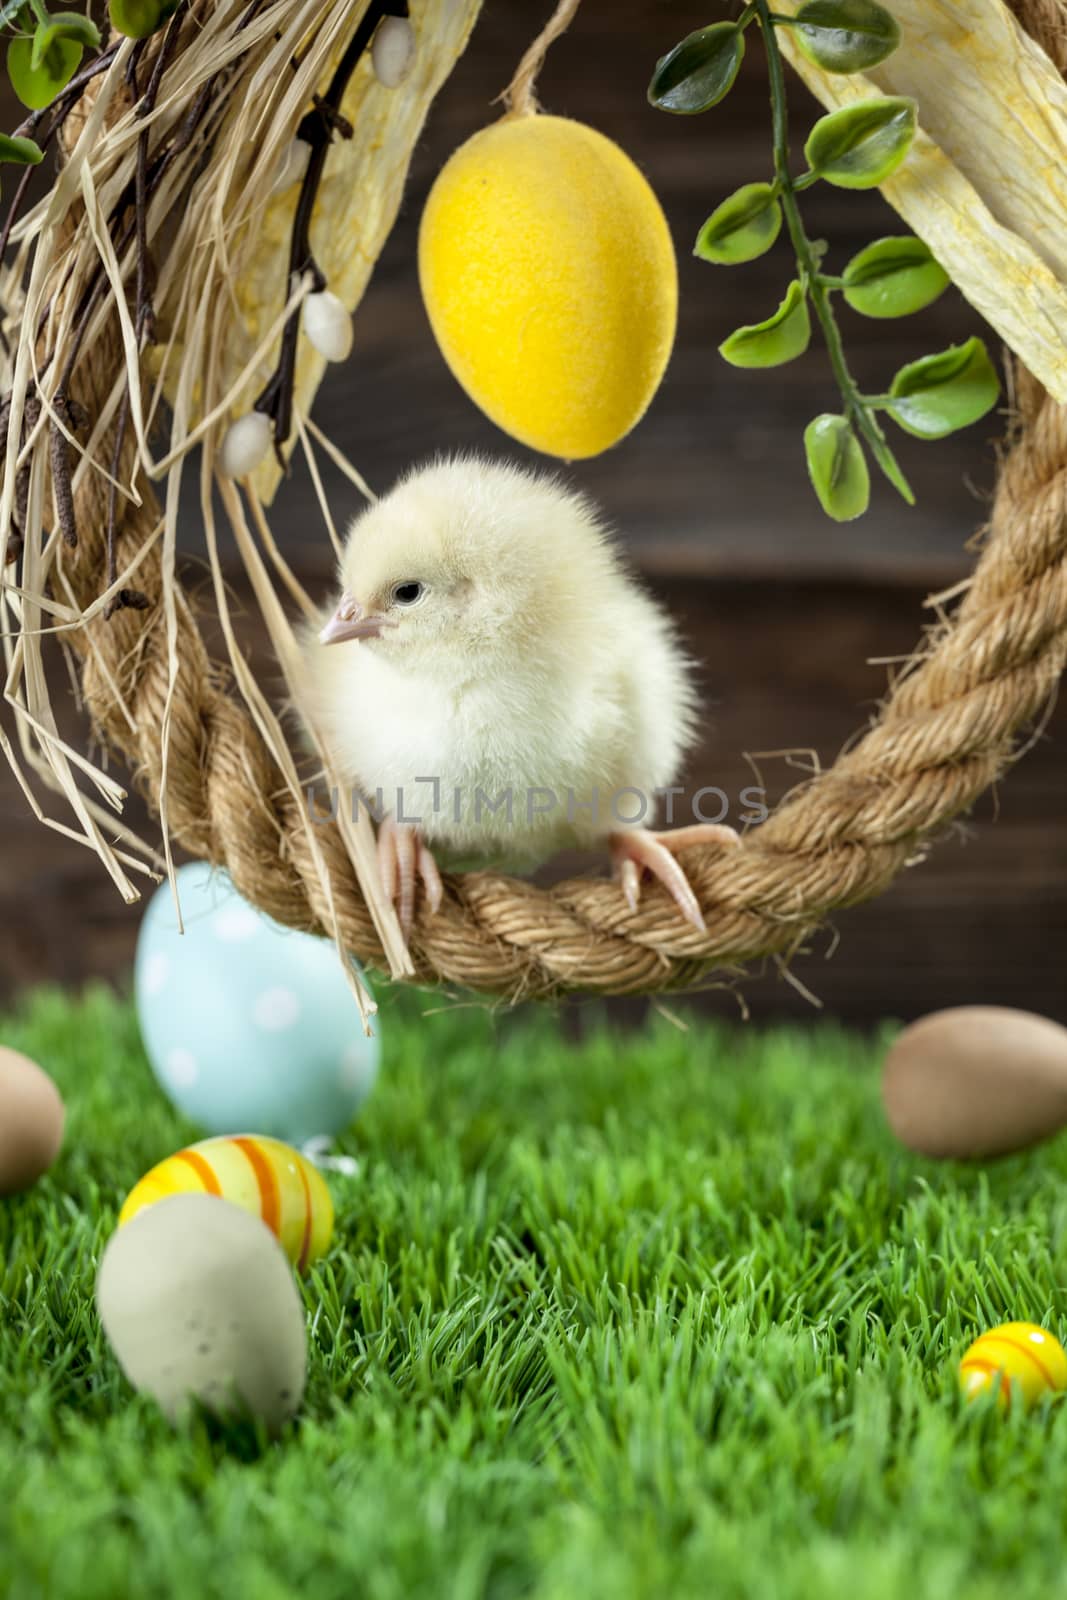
[(199, 1303), (31, 1121), (976, 1081)]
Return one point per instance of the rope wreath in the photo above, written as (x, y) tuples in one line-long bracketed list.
[(948, 729)]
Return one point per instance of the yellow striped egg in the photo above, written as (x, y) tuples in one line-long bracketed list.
[(261, 1175), (1014, 1354)]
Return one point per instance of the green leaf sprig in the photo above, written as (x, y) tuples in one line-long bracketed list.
[(46, 51), (856, 147), (47, 47)]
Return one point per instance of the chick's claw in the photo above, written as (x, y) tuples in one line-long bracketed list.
[(637, 850), (403, 858)]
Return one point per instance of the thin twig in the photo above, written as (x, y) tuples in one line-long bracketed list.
[(124, 599), (121, 423), (14, 538), (317, 130), (145, 316), (808, 263), (132, 64), (98, 284), (31, 412), (72, 415), (14, 207)]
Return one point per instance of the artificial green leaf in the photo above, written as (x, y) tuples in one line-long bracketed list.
[(893, 277), (139, 18), (64, 25), (743, 227), (38, 86), (859, 146), (845, 35), (699, 72), (20, 152), (890, 466), (943, 392), (779, 339), (837, 467)]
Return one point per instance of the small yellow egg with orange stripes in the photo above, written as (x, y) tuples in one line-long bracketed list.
[(261, 1175), (1015, 1356)]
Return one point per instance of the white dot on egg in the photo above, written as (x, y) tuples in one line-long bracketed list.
[(156, 972), (235, 924), (276, 1009), (182, 1068)]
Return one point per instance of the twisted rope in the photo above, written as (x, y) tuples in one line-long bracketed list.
[(948, 729), (520, 99)]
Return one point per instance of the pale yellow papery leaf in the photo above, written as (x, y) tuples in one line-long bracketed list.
[(357, 202), (985, 183)]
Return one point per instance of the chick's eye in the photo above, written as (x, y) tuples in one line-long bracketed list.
[(405, 594)]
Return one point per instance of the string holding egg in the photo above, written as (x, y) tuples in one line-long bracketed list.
[(265, 1177), (247, 1024)]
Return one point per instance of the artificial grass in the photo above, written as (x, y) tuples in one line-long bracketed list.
[(661, 1314)]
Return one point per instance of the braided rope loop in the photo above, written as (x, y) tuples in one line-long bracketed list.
[(948, 728)]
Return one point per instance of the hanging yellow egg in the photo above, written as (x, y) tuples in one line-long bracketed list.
[(550, 281), (1015, 1353), (261, 1175)]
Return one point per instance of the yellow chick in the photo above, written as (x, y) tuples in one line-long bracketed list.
[(497, 687)]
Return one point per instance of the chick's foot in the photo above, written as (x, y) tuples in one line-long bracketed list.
[(635, 851), (403, 858)]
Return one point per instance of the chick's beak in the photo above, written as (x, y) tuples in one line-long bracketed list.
[(350, 621)]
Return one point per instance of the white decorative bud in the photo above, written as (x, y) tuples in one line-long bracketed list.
[(328, 325), (392, 51), (244, 445), (293, 165)]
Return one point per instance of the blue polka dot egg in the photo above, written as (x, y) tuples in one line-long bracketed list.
[(247, 1025)]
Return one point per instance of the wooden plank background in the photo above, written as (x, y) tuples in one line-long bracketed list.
[(783, 608)]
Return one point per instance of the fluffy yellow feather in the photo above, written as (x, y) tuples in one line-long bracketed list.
[(495, 680)]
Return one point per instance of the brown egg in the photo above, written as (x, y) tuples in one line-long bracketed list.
[(31, 1121), (976, 1081)]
